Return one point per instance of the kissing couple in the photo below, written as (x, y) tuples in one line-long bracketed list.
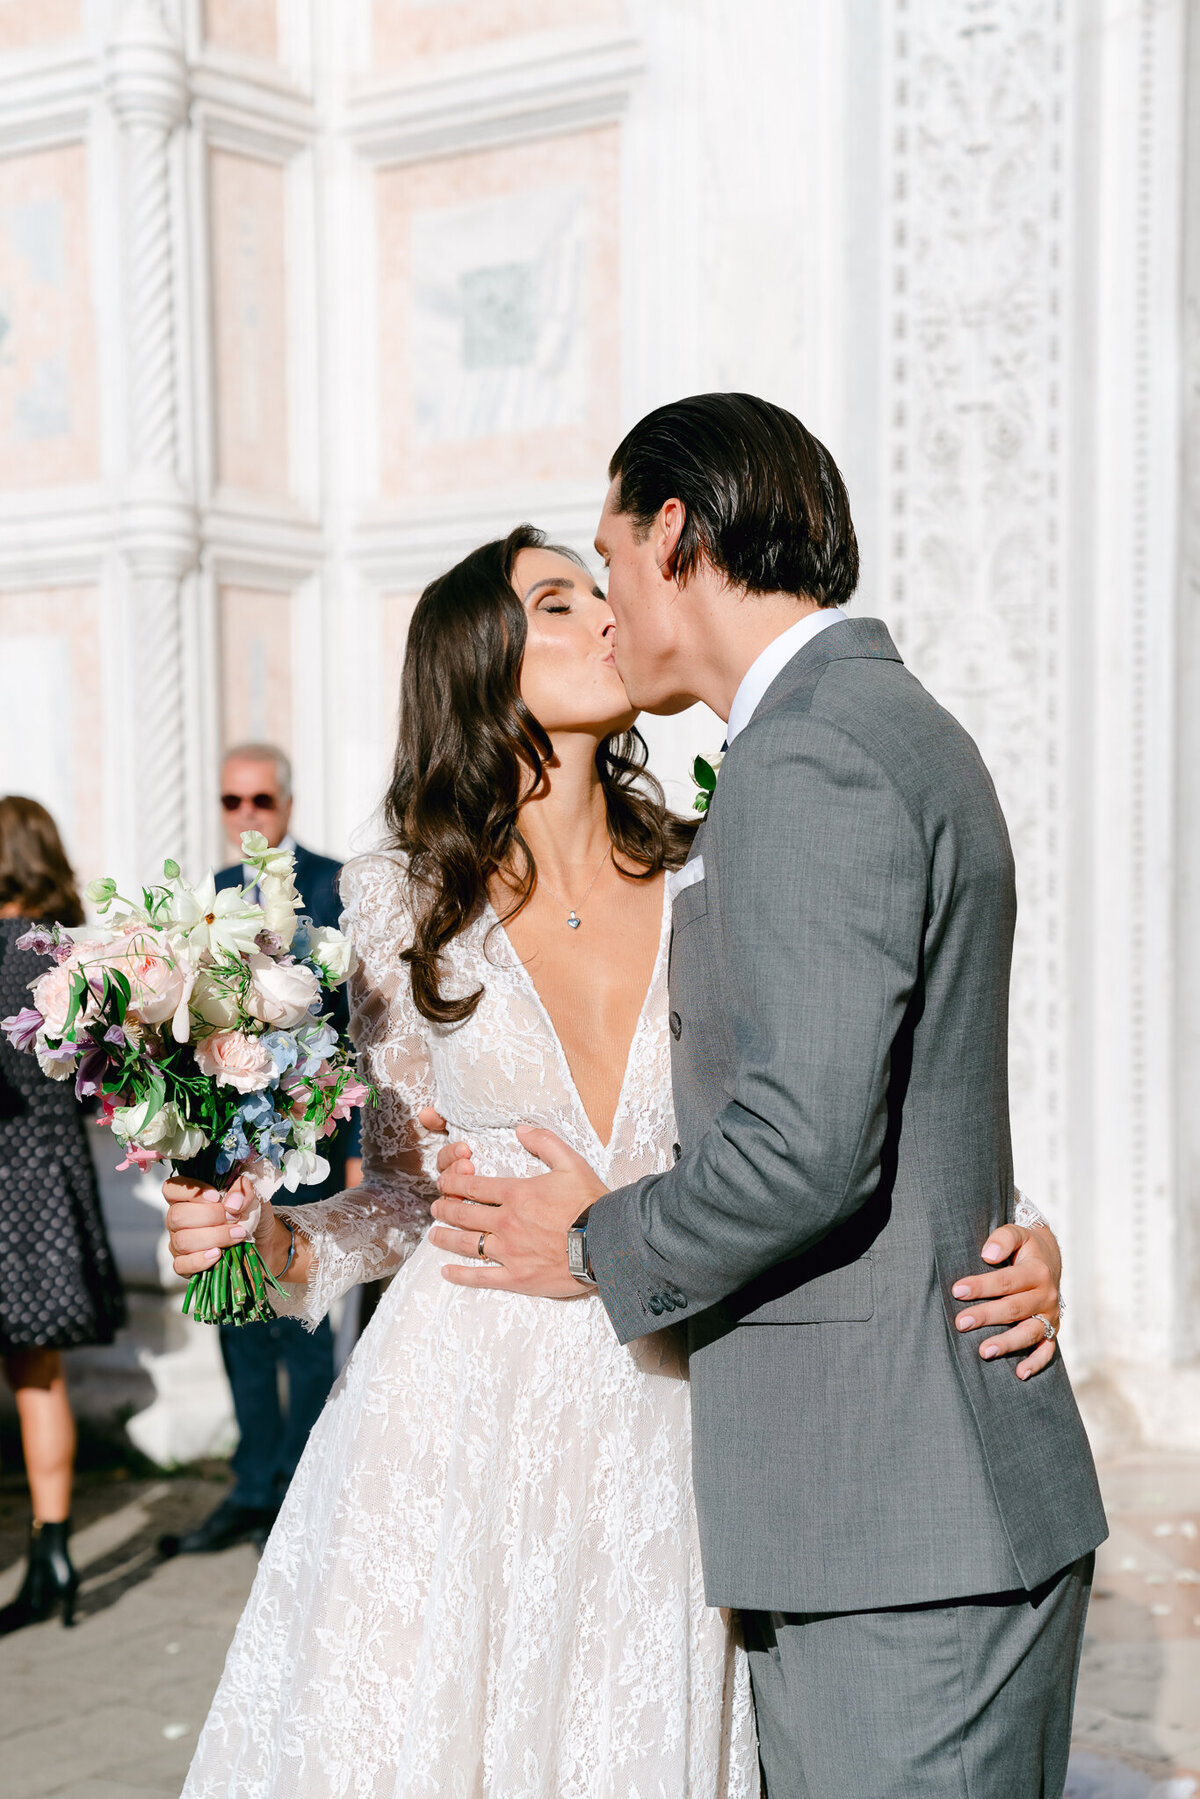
[(687, 1455)]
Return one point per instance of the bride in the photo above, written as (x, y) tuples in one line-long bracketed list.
[(484, 1582)]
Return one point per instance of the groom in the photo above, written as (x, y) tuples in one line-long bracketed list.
[(905, 1526)]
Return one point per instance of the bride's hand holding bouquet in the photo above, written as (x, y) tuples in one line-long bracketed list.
[(203, 1224)]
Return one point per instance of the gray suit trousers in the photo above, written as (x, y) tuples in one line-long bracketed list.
[(967, 1700)]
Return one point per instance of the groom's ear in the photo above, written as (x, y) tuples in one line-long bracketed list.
[(668, 526)]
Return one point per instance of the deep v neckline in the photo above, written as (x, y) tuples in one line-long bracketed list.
[(530, 984)]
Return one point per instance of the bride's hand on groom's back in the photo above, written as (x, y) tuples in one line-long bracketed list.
[(1019, 1295)]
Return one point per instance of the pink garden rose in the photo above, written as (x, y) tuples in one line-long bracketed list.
[(233, 1059), (158, 983), (52, 997)]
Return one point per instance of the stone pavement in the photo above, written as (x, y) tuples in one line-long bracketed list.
[(111, 1709)]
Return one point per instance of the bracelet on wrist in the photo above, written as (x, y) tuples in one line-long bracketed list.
[(290, 1228)]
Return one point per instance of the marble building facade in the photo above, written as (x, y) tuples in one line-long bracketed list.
[(301, 298)]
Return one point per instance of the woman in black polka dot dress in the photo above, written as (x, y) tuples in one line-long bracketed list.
[(58, 1283)]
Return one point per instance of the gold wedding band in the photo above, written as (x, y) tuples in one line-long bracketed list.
[(480, 1251)]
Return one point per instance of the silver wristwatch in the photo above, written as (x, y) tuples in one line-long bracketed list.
[(577, 1255)]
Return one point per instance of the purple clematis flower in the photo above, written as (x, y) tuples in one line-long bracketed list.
[(22, 1028), (38, 939), (93, 1067), (116, 1036), (47, 941)]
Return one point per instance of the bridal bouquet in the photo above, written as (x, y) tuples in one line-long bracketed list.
[(197, 1019)]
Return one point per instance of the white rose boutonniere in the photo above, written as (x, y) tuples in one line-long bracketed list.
[(705, 770)]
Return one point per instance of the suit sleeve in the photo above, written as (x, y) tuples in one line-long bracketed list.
[(819, 884)]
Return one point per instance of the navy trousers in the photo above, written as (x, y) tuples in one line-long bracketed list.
[(271, 1441)]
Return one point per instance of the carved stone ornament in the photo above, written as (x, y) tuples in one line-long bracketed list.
[(975, 485)]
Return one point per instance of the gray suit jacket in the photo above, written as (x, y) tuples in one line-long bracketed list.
[(839, 1003)]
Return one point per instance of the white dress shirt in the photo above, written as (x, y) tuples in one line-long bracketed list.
[(778, 653)]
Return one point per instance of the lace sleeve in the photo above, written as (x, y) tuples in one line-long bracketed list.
[(1026, 1214), (371, 1229)]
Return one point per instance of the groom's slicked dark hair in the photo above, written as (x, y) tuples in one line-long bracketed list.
[(765, 502)]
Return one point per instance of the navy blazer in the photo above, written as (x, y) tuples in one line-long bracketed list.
[(317, 885)]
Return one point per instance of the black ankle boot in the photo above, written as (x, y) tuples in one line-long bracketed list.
[(50, 1580)]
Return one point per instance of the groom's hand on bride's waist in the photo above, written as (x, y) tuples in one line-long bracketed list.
[(514, 1229)]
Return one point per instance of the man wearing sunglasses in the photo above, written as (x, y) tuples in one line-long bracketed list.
[(256, 795)]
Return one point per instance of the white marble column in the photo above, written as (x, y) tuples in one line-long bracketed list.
[(158, 544), (1187, 912), (147, 85)]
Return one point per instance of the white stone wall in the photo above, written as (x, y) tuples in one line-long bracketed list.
[(299, 299)]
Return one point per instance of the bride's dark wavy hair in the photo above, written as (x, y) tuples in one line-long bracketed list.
[(470, 752)]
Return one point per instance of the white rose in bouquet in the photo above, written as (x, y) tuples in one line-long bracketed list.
[(212, 999), (280, 993), (234, 1059), (165, 1132), (332, 952)]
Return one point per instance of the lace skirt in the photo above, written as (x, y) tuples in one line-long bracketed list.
[(485, 1580)]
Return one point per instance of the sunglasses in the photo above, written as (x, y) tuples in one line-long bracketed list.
[(262, 802)]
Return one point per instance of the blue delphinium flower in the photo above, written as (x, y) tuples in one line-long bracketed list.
[(301, 940), (283, 1050), (317, 1041), (234, 1146)]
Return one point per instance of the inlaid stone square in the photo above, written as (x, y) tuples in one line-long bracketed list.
[(499, 316)]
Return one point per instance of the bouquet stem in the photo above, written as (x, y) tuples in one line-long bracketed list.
[(235, 1289)]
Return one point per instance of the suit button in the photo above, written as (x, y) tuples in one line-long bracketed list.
[(677, 1150), (655, 1303), (676, 1024), (679, 1298)]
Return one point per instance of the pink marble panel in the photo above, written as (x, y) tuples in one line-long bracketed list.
[(250, 322), (48, 427), (499, 328), (27, 22), (248, 26), (405, 29), (256, 666), (52, 725)]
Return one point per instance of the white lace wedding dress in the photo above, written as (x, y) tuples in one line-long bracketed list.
[(485, 1579)]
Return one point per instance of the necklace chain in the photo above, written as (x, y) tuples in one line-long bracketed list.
[(573, 918)]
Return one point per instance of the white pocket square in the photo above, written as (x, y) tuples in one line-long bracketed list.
[(687, 876)]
